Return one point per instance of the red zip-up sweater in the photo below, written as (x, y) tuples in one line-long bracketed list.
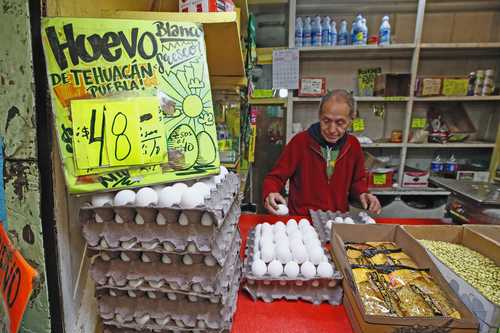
[(302, 162)]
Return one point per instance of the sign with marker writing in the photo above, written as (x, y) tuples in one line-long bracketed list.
[(132, 101), (16, 281), (358, 125), (418, 122)]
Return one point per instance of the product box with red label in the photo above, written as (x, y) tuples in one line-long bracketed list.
[(415, 178), (312, 87), (380, 177), (206, 6)]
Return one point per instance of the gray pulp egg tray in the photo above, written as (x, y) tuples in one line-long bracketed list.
[(111, 329), (171, 237), (197, 278), (161, 311), (320, 218), (268, 288)]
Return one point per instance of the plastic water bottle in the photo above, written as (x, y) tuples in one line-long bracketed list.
[(333, 33), (451, 166), (384, 33), (316, 31), (437, 166), (299, 30), (343, 34), (306, 35), (354, 31), (364, 30), (326, 32), (357, 30)]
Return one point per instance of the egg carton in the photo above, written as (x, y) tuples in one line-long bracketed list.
[(217, 206), (168, 238), (315, 290), (197, 278), (113, 329), (320, 220), (165, 313)]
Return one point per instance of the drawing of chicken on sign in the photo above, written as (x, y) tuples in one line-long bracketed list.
[(16, 284), (132, 102)]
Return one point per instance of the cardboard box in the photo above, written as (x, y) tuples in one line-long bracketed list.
[(363, 322), (388, 84), (455, 86), (484, 310), (488, 231), (415, 178), (312, 87), (206, 6), (475, 176), (428, 86), (380, 177)]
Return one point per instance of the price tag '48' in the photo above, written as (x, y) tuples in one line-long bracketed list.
[(117, 132)]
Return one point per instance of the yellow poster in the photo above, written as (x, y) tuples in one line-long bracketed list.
[(132, 102)]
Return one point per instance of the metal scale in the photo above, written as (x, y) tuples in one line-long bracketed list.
[(471, 202)]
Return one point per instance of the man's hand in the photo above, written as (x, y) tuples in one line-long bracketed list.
[(370, 202), (272, 201)]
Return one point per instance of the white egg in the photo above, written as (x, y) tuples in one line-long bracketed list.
[(348, 220), (223, 172), (292, 269), (102, 199), (279, 226), (146, 196), (207, 220), (266, 227), (304, 223), (312, 242), (275, 268), (124, 197), (292, 221), (283, 253), (180, 187), (191, 198), (309, 236), (282, 210), (267, 253), (295, 242), (370, 220), (169, 196), (295, 233), (267, 234), (259, 267), (203, 188), (325, 270), (315, 254), (300, 254), (280, 234), (258, 229), (291, 225), (324, 259), (210, 182), (339, 219), (256, 254), (183, 220), (329, 224), (265, 241), (308, 270)]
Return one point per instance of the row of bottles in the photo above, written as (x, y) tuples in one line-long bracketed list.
[(320, 31), (439, 167)]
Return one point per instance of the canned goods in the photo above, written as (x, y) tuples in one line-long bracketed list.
[(478, 87), (489, 83)]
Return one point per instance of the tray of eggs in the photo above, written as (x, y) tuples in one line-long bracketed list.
[(288, 261), (323, 221)]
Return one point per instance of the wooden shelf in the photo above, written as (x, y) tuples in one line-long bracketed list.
[(457, 50), (452, 145), (359, 51), (267, 101), (389, 99), (381, 145), (457, 99), (222, 37), (409, 191)]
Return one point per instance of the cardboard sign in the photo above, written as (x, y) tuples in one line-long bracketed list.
[(418, 122), (358, 125), (16, 281), (109, 76)]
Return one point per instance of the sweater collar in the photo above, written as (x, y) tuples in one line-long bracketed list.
[(315, 132)]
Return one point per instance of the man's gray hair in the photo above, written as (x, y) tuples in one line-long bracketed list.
[(342, 96)]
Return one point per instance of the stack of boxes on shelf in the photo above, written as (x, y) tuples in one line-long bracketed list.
[(166, 268)]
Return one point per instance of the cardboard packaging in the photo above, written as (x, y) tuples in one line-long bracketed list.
[(363, 322), (485, 311), (415, 178), (455, 86), (206, 6), (487, 231), (312, 87), (475, 176), (389, 84), (428, 86)]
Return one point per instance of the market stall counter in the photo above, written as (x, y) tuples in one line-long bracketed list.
[(294, 316)]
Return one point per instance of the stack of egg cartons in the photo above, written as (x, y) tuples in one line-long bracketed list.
[(288, 261), (166, 258)]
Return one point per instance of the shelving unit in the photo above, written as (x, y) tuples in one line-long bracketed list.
[(433, 37)]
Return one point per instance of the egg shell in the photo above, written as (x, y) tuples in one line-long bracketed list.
[(259, 268), (304, 223), (124, 197), (282, 241), (283, 253), (191, 198), (329, 224), (210, 182), (102, 199), (267, 235), (309, 236), (294, 243), (308, 270), (145, 197), (275, 268), (279, 227), (266, 227), (282, 210), (169, 196), (258, 229), (292, 269), (300, 254), (265, 242), (256, 254), (292, 223), (325, 270), (280, 234), (267, 253), (180, 187), (339, 219), (207, 220), (203, 188), (370, 220), (295, 234), (348, 220), (315, 254), (311, 242), (223, 171)]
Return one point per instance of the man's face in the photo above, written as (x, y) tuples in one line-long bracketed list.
[(334, 120)]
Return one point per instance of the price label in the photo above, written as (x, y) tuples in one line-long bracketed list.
[(418, 122), (379, 179), (358, 125), (116, 133)]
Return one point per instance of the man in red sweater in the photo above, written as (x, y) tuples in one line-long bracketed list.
[(325, 165)]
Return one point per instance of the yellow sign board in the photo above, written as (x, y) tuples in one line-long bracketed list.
[(358, 125), (132, 101)]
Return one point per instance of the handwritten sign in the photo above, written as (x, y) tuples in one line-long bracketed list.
[(16, 281), (164, 64), (358, 125), (418, 122), (379, 179)]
